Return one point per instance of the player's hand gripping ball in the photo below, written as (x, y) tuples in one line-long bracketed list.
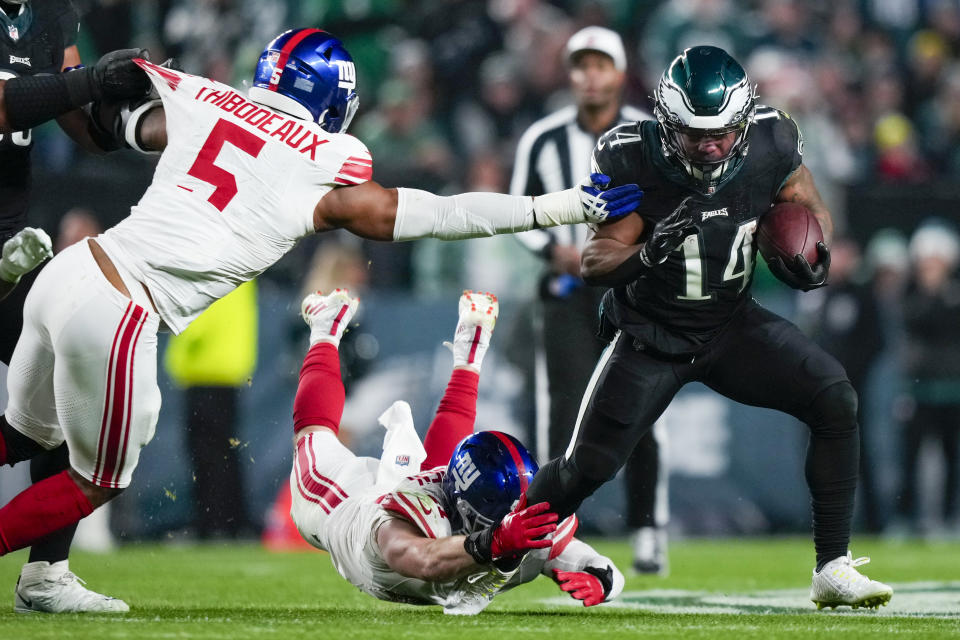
[(790, 239)]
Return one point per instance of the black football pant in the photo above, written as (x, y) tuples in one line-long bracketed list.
[(761, 360), (56, 546), (571, 350)]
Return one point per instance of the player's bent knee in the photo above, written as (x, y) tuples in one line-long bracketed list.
[(96, 494), (834, 409), (594, 463)]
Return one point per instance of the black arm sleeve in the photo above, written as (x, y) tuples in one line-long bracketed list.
[(32, 100), (69, 22)]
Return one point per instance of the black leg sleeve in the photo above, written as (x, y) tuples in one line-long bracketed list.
[(56, 546), (641, 476), (833, 456)]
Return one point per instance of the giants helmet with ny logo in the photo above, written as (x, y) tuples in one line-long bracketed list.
[(487, 474), (308, 74)]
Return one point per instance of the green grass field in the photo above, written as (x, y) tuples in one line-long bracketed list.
[(717, 589)]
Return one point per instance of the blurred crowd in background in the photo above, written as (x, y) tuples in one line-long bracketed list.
[(447, 87)]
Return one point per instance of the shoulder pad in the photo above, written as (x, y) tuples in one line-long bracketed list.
[(419, 508), (617, 153), (783, 130), (357, 166)]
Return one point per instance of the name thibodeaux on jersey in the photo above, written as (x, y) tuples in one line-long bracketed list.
[(285, 129)]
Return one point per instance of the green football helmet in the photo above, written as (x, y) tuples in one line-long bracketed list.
[(704, 92)]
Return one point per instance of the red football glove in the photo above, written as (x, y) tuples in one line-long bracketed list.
[(581, 586), (522, 530)]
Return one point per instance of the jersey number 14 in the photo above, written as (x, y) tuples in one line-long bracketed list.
[(695, 268)]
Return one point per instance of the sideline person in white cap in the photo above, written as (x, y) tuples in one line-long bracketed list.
[(551, 154)]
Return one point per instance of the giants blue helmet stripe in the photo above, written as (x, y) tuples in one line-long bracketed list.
[(296, 37), (517, 460)]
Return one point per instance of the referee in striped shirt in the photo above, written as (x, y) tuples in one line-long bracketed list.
[(552, 155)]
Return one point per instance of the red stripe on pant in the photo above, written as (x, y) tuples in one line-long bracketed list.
[(108, 394), (312, 483), (126, 431), (109, 461)]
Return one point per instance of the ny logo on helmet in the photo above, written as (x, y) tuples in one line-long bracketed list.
[(348, 74), (465, 472)]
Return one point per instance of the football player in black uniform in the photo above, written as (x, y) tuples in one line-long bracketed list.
[(37, 44), (680, 309)]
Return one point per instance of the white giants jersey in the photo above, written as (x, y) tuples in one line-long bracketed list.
[(349, 534), (234, 191)]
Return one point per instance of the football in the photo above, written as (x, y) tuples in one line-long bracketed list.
[(788, 229)]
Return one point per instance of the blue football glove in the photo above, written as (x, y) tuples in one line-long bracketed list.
[(601, 204)]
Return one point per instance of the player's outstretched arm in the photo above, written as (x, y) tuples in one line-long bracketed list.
[(801, 188), (32, 100), (408, 552), (373, 212)]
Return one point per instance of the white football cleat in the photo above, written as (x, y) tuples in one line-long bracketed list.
[(478, 317), (650, 551), (328, 315), (840, 584), (53, 588)]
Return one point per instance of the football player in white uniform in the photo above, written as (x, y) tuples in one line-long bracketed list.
[(452, 534), (240, 181)]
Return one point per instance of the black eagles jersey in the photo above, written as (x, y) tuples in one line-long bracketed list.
[(680, 305), (30, 43)]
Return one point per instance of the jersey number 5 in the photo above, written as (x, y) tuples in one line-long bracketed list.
[(204, 168)]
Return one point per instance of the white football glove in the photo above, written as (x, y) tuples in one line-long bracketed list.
[(23, 252)]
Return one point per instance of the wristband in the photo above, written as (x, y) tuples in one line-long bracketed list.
[(605, 576), (477, 545), (131, 125)]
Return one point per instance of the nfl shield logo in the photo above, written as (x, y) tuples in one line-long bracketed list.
[(14, 34)]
